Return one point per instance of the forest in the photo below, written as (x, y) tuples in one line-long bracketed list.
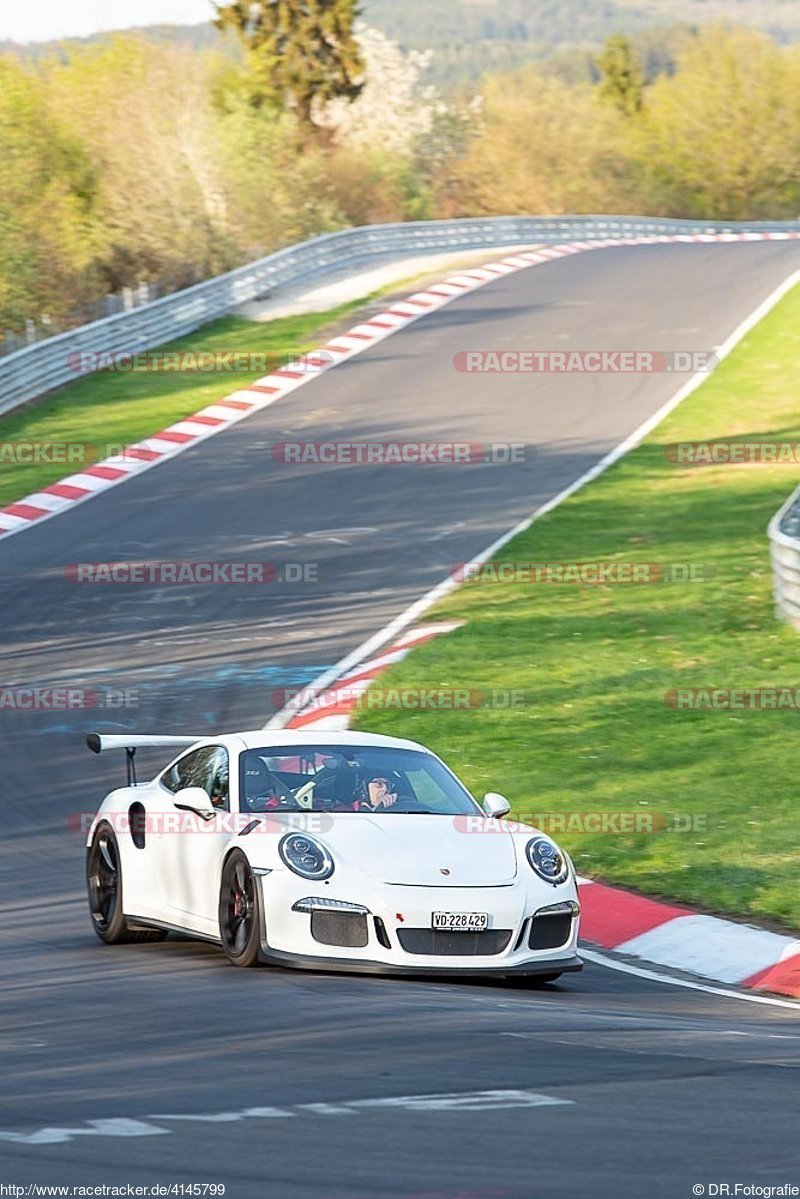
[(138, 160)]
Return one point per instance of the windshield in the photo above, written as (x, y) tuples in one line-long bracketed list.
[(343, 778)]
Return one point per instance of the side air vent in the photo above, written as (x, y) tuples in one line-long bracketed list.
[(381, 933), (137, 819)]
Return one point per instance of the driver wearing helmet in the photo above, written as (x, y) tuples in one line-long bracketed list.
[(381, 794)]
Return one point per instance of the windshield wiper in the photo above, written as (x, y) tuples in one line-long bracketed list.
[(424, 812)]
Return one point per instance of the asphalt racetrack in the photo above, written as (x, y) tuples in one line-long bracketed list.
[(163, 1064)]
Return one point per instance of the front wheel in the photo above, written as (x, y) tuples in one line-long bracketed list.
[(239, 911), (104, 887)]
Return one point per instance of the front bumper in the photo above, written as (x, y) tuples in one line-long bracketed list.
[(393, 910)]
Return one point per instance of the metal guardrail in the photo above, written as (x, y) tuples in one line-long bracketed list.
[(45, 365), (784, 538)]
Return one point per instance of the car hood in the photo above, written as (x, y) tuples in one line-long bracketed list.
[(422, 850)]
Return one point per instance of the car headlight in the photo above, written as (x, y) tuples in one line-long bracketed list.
[(547, 860), (306, 857)]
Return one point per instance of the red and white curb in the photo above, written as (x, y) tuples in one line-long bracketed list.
[(331, 708), (656, 932), (92, 480), (681, 939)]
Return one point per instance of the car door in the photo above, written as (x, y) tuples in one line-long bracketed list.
[(192, 846), (154, 822)]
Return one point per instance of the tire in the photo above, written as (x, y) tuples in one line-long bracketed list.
[(239, 912), (104, 887)]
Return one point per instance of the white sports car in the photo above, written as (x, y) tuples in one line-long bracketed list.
[(349, 851)]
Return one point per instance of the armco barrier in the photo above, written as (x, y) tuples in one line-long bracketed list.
[(45, 365), (784, 537)]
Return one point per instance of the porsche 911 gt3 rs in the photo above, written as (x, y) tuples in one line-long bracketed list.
[(344, 851)]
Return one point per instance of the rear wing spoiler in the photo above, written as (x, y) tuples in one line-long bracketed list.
[(100, 742)]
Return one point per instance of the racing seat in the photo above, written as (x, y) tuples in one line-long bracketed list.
[(257, 784)]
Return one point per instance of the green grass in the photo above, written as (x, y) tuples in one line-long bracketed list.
[(118, 409), (595, 662)]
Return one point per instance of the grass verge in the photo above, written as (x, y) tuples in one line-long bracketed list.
[(594, 663), (108, 410), (118, 409)]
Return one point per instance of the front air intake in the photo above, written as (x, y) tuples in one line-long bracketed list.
[(346, 929), (445, 944)]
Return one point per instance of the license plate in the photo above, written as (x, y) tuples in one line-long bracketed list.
[(460, 922)]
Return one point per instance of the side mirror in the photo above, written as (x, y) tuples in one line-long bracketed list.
[(495, 805), (194, 799)]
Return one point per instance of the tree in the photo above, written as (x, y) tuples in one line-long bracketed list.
[(397, 138), (47, 187), (300, 53), (394, 106), (622, 81), (545, 147), (721, 137), (143, 113)]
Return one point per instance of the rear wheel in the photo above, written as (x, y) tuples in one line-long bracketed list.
[(104, 887), (239, 911)]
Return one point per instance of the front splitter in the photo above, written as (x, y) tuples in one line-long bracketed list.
[(299, 961)]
